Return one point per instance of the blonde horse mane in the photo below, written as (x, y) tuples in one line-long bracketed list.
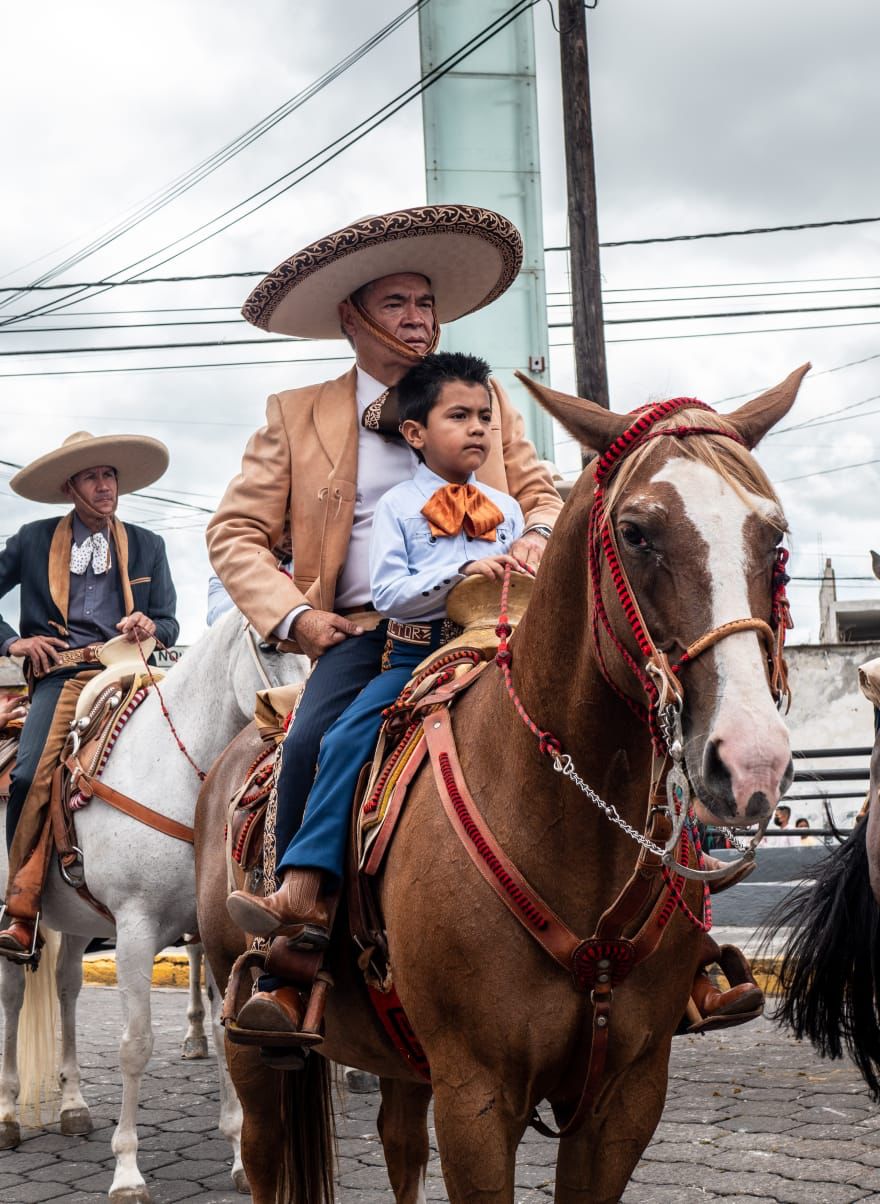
[(734, 463), (37, 1038)]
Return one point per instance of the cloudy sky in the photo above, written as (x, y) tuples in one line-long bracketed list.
[(706, 118)]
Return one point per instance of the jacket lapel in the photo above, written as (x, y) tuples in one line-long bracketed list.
[(59, 564), (336, 424), (120, 538)]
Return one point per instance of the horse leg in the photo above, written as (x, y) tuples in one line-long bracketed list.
[(403, 1128), (11, 997), (478, 1127), (135, 951), (195, 1043), (594, 1165), (262, 1134), (230, 1108), (75, 1116)]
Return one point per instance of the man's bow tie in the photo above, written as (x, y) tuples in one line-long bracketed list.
[(94, 551), (454, 507)]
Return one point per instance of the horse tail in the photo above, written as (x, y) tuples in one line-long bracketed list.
[(308, 1155), (830, 974), (37, 1041)]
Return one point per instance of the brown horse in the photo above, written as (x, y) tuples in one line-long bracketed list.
[(696, 526)]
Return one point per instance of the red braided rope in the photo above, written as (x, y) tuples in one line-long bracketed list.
[(180, 744)]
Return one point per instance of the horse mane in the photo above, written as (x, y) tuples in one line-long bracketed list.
[(734, 463)]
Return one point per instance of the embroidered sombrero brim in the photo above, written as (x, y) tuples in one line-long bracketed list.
[(470, 255), (138, 460)]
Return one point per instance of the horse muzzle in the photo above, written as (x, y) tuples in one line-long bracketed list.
[(742, 787)]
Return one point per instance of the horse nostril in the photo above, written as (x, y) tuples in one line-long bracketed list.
[(715, 772)]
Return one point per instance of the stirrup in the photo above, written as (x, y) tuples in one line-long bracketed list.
[(31, 959)]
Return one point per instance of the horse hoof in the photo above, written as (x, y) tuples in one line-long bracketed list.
[(240, 1182), (10, 1134), (360, 1081), (195, 1047), (131, 1195), (76, 1122)]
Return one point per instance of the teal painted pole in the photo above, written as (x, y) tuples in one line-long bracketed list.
[(481, 148)]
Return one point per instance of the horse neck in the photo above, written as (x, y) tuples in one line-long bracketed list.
[(200, 698), (557, 675)]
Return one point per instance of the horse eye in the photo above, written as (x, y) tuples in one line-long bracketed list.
[(634, 536)]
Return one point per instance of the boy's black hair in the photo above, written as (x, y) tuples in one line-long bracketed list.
[(418, 391)]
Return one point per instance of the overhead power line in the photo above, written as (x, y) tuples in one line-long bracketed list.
[(318, 160), (821, 472), (740, 313), (206, 167), (314, 359), (640, 242)]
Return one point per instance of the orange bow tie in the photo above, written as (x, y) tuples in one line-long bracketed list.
[(454, 507)]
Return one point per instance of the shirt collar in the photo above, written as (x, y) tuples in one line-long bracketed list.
[(367, 389), (428, 482), (81, 531)]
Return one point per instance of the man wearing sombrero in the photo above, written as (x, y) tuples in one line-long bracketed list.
[(329, 451), (85, 578)]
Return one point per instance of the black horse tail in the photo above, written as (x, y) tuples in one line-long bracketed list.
[(830, 974), (307, 1160)]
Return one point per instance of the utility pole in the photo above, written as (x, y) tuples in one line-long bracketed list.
[(586, 279)]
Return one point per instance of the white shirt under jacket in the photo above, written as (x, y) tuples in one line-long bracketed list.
[(412, 570)]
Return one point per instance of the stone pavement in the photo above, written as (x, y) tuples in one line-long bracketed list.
[(752, 1117)]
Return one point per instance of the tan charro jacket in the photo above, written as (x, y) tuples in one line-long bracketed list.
[(305, 458)]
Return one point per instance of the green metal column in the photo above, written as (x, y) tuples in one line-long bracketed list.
[(481, 148)]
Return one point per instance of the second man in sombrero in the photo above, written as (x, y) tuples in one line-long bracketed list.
[(85, 578), (328, 452)]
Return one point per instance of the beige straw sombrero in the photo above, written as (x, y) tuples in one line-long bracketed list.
[(470, 255), (138, 460)]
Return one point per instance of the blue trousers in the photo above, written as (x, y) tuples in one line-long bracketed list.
[(348, 744)]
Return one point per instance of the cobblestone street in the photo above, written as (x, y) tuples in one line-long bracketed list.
[(751, 1116)]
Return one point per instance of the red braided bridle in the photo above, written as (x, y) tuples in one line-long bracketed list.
[(659, 679)]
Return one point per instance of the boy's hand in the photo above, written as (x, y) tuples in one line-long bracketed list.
[(491, 566), (317, 630)]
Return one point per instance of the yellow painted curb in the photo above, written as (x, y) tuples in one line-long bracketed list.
[(172, 970), (169, 970)]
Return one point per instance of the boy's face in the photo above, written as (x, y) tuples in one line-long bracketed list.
[(455, 439)]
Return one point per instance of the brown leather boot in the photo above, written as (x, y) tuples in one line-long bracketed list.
[(296, 911), (17, 940), (277, 1011), (710, 1008)]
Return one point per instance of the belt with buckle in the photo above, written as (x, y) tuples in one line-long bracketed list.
[(68, 657), (410, 633)]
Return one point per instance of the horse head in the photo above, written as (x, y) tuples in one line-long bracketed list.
[(685, 583)]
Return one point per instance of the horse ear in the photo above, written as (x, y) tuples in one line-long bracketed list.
[(592, 425), (753, 420)]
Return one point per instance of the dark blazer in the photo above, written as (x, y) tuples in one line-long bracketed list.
[(38, 559)]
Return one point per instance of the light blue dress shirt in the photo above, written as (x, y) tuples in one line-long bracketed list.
[(411, 570)]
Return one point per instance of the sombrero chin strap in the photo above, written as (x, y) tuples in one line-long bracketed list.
[(389, 340), (87, 508)]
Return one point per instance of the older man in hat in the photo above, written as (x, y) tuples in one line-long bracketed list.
[(85, 578), (329, 451)]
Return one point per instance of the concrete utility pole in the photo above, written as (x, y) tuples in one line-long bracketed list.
[(481, 148), (586, 279)]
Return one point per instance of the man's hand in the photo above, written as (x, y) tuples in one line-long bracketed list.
[(11, 708), (317, 630), (492, 566), (529, 549), (136, 626), (40, 651)]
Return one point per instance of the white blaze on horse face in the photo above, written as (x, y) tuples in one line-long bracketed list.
[(746, 730)]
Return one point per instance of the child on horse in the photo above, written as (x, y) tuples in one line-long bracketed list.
[(428, 534)]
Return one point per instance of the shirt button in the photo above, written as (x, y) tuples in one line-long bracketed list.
[(447, 580), (436, 587), (426, 593)]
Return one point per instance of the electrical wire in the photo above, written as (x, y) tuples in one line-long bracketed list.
[(341, 144), (206, 167), (314, 359), (640, 242)]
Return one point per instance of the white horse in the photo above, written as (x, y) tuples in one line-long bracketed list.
[(146, 879)]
